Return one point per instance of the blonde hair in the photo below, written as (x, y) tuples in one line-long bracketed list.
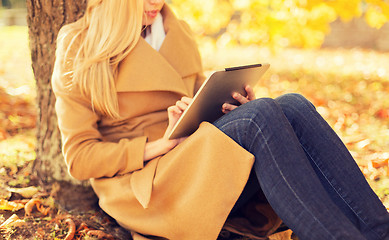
[(107, 33)]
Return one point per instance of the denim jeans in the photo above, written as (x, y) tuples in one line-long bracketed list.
[(305, 171)]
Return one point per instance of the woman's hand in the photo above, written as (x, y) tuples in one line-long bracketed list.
[(164, 145), (174, 113), (227, 107)]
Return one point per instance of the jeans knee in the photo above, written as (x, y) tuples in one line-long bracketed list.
[(294, 100), (242, 123), (261, 102), (293, 104), (266, 109), (261, 105)]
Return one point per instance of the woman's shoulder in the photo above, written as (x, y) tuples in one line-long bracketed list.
[(69, 40), (66, 50), (68, 35), (185, 27)]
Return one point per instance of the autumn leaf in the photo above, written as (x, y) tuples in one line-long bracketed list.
[(10, 206), (285, 235), (13, 221), (27, 192), (382, 113)]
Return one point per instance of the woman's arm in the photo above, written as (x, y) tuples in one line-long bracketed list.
[(164, 145), (86, 153)]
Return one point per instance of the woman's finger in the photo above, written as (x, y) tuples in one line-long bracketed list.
[(241, 99), (226, 107), (186, 100), (250, 93), (181, 105), (174, 114), (174, 110)]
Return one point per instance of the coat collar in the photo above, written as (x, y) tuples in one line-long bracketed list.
[(146, 69)]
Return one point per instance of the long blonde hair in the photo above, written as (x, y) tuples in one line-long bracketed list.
[(107, 33)]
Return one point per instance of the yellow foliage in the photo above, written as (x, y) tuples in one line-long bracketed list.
[(346, 9), (375, 18), (241, 4), (309, 4), (275, 23), (377, 14)]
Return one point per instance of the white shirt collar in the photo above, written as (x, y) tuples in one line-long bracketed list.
[(157, 34)]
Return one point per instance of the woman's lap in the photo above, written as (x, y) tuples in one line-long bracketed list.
[(296, 146)]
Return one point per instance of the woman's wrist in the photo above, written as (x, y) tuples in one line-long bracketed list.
[(159, 147)]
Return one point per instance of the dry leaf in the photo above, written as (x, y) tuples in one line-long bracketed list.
[(382, 113), (3, 134), (362, 144), (27, 192), (72, 229), (379, 163), (10, 206), (4, 193), (40, 233), (13, 221), (35, 202), (100, 234), (285, 235)]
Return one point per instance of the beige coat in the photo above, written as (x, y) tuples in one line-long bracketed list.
[(185, 194)]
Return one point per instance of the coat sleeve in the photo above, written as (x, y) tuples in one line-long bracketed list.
[(86, 154)]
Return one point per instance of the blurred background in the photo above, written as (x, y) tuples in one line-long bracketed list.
[(336, 53)]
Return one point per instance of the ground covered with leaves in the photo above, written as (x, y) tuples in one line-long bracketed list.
[(348, 87)]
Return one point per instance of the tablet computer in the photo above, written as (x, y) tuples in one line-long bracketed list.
[(215, 91)]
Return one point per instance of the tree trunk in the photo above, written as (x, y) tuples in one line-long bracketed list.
[(45, 18)]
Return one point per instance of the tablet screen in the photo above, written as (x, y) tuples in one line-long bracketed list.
[(215, 91)]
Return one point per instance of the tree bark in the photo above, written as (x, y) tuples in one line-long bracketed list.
[(45, 18)]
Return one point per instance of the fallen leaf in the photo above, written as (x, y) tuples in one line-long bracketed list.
[(10, 219), (4, 193), (40, 233), (13, 221), (363, 143), (23, 201), (100, 234), (27, 192), (72, 229), (10, 206), (382, 113), (14, 169), (30, 205), (3, 134), (35, 202), (379, 163), (285, 235)]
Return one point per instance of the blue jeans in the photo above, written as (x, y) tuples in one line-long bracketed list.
[(305, 171)]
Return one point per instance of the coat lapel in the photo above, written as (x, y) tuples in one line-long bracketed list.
[(180, 48), (146, 69)]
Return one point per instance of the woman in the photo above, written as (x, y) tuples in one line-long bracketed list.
[(123, 75)]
